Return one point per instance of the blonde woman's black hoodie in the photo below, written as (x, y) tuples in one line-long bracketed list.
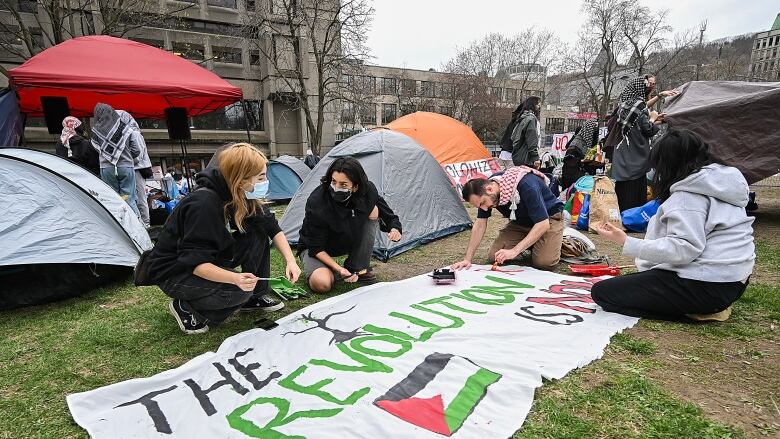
[(196, 231)]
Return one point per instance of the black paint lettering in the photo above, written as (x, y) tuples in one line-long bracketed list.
[(536, 317), (153, 409), (246, 371), (203, 395)]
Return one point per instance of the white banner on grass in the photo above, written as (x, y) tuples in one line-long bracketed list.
[(402, 359)]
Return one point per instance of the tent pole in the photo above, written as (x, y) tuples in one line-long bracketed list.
[(246, 121), (184, 163)]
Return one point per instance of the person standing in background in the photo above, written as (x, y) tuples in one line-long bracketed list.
[(75, 147), (111, 138), (526, 134), (142, 166)]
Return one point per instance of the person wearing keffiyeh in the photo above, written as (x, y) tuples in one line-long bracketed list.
[(111, 138), (74, 147), (637, 126), (522, 195)]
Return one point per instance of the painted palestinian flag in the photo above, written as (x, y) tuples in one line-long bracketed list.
[(439, 394)]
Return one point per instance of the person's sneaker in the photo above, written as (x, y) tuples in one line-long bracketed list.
[(186, 320), (265, 302), (715, 317)]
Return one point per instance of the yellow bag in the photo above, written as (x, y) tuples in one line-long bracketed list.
[(603, 204)]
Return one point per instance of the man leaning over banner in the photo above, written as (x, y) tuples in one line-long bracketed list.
[(522, 195)]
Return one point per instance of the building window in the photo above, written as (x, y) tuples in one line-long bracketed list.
[(154, 43), (223, 3), (254, 57), (37, 37), (230, 55), (389, 86), (427, 89), (10, 35), (189, 51), (368, 114), (232, 118), (284, 52), (573, 124), (346, 79), (511, 95), (30, 6), (496, 91), (250, 5), (365, 84), (447, 111), (408, 87), (389, 113), (407, 109), (348, 113), (554, 125), (444, 90), (427, 107)]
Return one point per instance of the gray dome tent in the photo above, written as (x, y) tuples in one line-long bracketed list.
[(407, 176), (285, 175), (63, 230)]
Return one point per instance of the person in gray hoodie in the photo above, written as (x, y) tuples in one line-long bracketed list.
[(698, 252)]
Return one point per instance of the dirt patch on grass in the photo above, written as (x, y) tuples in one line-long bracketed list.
[(734, 382)]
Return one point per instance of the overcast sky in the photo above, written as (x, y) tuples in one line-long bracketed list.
[(421, 34)]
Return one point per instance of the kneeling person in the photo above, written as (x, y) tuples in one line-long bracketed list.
[(220, 226), (341, 219), (535, 220)]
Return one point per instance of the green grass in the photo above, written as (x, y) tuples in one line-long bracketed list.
[(616, 400), (629, 343)]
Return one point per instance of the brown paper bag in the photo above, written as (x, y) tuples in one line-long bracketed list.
[(603, 204)]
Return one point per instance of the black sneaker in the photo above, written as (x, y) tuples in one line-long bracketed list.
[(265, 302), (186, 320)]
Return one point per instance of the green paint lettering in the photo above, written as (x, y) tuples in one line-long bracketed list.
[(403, 345), (249, 428), (444, 301), (315, 389), (368, 365), (498, 297)]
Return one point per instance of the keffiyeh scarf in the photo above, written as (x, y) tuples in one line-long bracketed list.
[(632, 105), (508, 182), (69, 125), (110, 134)]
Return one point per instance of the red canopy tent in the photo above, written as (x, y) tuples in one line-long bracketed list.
[(127, 75)]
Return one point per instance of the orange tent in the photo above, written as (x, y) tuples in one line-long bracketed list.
[(447, 139), (451, 142)]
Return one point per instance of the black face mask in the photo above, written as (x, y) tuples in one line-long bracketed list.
[(340, 196)]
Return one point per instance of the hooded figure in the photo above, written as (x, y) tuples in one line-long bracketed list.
[(698, 253), (111, 138), (142, 165), (637, 126)]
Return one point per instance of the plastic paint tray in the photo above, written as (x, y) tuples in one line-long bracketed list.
[(285, 289), (595, 270)]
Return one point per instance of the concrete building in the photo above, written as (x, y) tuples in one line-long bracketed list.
[(207, 32), (380, 94), (764, 60)]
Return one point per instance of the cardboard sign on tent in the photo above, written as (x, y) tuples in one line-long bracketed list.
[(409, 179), (737, 119), (64, 231), (285, 175), (452, 143), (135, 77)]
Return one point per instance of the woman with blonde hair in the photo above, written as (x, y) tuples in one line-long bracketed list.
[(220, 226)]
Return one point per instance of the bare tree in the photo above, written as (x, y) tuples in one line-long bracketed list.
[(645, 30), (308, 45), (36, 25), (602, 34)]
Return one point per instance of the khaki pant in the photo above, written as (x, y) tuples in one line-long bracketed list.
[(545, 253)]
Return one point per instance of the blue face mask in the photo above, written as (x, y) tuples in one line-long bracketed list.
[(259, 192)]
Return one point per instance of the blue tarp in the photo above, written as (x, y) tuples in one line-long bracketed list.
[(11, 120)]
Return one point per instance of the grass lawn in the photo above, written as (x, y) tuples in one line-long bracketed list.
[(657, 380)]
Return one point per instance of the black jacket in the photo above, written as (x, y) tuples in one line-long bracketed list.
[(333, 227), (196, 231), (84, 154)]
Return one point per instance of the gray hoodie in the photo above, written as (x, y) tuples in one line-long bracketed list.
[(701, 231)]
